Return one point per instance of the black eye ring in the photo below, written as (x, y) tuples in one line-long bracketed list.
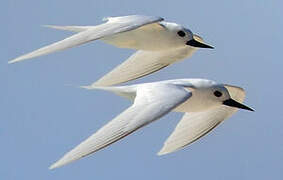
[(181, 33), (217, 93)]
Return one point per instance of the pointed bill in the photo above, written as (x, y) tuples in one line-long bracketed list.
[(198, 44)]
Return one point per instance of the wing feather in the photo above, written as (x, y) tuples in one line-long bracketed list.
[(150, 104), (112, 26), (143, 63), (193, 126)]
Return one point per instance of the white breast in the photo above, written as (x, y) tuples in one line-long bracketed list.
[(199, 101), (153, 37)]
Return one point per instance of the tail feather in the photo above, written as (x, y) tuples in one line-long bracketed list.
[(70, 28), (128, 92)]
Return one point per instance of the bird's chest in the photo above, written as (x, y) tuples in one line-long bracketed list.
[(145, 39), (196, 103)]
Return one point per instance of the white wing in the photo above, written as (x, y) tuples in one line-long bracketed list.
[(113, 26), (143, 63), (150, 104), (195, 125)]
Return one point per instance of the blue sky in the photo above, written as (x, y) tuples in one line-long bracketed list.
[(43, 115)]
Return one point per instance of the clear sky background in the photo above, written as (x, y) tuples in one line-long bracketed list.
[(42, 117)]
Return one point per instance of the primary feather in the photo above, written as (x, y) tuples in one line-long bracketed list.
[(150, 104)]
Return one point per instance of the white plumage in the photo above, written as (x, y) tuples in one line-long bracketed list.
[(157, 42), (151, 101)]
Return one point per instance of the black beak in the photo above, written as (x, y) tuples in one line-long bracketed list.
[(233, 103), (195, 43)]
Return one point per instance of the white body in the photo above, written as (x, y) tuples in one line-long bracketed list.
[(152, 37), (157, 42), (195, 97)]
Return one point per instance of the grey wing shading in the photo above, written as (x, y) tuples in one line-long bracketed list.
[(70, 28), (143, 63), (150, 104), (193, 126), (113, 26)]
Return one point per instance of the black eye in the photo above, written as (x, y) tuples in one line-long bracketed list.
[(217, 93), (181, 33)]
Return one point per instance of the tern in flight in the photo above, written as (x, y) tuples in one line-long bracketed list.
[(205, 105), (158, 44)]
